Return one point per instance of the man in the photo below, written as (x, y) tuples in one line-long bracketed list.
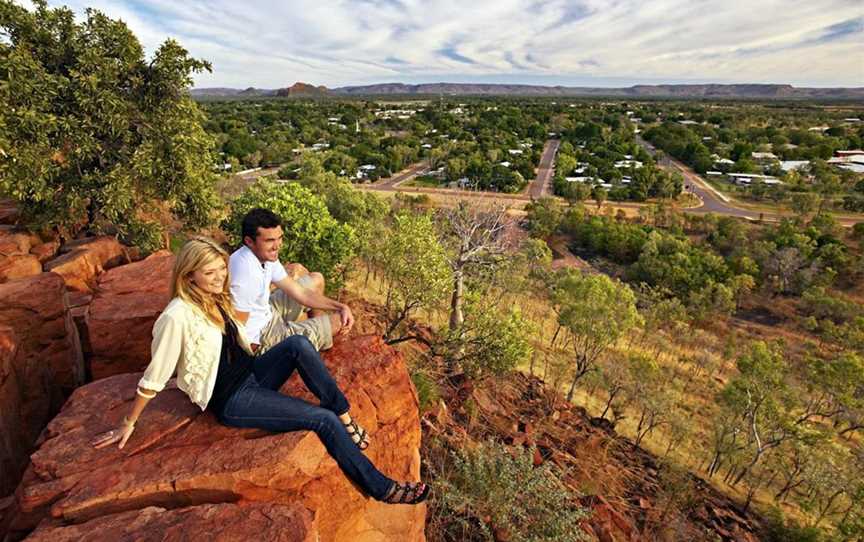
[(270, 318)]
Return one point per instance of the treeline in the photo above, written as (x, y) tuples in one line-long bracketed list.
[(786, 417)]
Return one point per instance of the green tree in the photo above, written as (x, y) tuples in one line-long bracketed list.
[(489, 342), (94, 135), (544, 217), (596, 311), (312, 237), (415, 270)]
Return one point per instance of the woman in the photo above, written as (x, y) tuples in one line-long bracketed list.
[(199, 337)]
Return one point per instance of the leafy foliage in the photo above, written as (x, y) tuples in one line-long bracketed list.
[(311, 236), (495, 492), (92, 134)]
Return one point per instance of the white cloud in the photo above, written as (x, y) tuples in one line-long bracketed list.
[(270, 43)]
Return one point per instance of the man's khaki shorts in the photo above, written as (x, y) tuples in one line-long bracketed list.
[(284, 322)]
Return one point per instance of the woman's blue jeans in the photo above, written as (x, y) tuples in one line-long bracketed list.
[(257, 403)]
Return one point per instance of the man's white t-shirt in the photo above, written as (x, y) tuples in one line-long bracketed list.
[(250, 288)]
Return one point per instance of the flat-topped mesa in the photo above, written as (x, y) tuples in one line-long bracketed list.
[(182, 459)]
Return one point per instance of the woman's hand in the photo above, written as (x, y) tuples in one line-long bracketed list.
[(120, 434)]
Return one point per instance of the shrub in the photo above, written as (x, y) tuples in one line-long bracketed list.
[(312, 236), (490, 342), (496, 493)]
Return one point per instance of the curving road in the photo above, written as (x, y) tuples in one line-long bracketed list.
[(714, 201)]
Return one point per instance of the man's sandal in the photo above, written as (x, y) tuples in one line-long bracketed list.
[(358, 435), (407, 493)]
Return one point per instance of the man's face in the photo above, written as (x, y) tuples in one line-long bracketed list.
[(267, 244)]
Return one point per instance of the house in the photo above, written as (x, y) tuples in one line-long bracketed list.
[(687, 122), (580, 179), (514, 151), (714, 173), (792, 165), (763, 156), (842, 154), (745, 179), (426, 146), (635, 164), (724, 162), (818, 129), (505, 164), (320, 146)]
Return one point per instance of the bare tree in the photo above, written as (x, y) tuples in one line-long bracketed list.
[(477, 236)]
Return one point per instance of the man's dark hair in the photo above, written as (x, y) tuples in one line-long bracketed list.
[(259, 218)]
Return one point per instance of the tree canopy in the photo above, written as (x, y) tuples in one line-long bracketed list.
[(92, 134)]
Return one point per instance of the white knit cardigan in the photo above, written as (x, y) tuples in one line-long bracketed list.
[(185, 341)]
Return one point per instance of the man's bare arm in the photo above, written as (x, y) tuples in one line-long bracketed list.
[(315, 300)]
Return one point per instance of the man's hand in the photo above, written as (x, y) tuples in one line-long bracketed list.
[(347, 319)]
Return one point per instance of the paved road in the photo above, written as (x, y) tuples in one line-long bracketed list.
[(414, 170), (713, 201), (541, 185)]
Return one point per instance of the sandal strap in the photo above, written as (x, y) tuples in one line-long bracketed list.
[(355, 430), (410, 493)]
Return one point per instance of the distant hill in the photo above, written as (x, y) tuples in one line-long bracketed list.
[(752, 91), (637, 91), (303, 89)]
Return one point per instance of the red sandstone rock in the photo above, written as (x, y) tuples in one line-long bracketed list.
[(83, 260), (12, 458), (214, 522), (180, 457), (19, 266), (49, 351), (38, 361), (8, 212), (45, 251), (14, 241), (128, 300)]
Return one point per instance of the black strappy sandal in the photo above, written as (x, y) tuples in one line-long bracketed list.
[(407, 493), (358, 435)]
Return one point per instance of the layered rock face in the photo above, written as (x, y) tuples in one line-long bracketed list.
[(217, 522), (40, 358), (82, 261), (182, 460), (127, 302)]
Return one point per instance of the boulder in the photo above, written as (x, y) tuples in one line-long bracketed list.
[(84, 259), (127, 301), (215, 522), (13, 457), (13, 241), (45, 251), (180, 457), (19, 266), (8, 212), (39, 361)]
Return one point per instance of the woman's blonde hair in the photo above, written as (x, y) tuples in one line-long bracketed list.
[(195, 254)]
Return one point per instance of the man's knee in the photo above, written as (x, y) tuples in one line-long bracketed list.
[(317, 281), (335, 323), (295, 270)]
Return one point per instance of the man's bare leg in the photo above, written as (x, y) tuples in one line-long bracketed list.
[(318, 286)]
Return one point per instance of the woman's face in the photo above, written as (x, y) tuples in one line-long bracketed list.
[(211, 277)]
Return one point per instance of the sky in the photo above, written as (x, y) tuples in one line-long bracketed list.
[(614, 43)]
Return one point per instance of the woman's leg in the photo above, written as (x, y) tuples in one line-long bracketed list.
[(273, 368), (264, 408)]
